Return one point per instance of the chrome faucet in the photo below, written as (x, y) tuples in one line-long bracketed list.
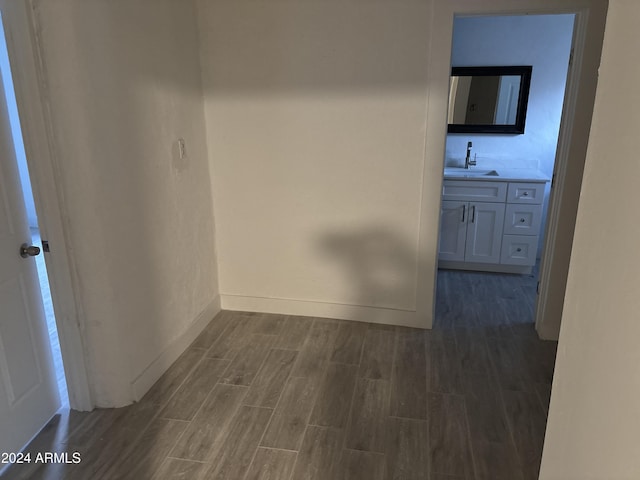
[(467, 160)]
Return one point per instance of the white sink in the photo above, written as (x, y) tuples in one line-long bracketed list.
[(471, 172)]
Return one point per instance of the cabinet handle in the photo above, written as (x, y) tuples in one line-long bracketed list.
[(473, 214), (518, 249), (464, 209), (522, 220), (525, 194)]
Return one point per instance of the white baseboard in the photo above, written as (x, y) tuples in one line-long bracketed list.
[(162, 362), (547, 331), (305, 308), (485, 267)]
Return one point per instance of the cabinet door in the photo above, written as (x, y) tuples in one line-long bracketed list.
[(453, 227), (484, 233)]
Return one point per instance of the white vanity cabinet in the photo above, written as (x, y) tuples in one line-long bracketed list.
[(490, 225), (472, 219)]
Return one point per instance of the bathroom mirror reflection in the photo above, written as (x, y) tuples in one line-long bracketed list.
[(488, 99)]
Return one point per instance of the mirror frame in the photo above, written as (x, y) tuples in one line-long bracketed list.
[(524, 72)]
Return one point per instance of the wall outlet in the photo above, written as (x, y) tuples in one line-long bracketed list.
[(179, 154), (182, 149)]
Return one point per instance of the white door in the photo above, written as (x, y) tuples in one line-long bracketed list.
[(453, 230), (484, 232), (28, 390)]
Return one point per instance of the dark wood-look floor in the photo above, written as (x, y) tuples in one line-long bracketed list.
[(271, 397)]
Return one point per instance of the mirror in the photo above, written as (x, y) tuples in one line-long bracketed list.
[(488, 99)]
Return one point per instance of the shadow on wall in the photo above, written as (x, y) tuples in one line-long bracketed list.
[(379, 265), (306, 46), (302, 99)]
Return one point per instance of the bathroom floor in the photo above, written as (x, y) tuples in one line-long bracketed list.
[(487, 301), (276, 397), (488, 320)]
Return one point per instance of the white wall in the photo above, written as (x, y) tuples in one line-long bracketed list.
[(16, 131), (123, 84), (594, 422), (316, 123), (316, 117), (543, 41)]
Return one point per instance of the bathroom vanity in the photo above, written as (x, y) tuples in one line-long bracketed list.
[(490, 220)]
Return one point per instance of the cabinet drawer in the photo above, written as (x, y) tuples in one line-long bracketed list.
[(525, 193), (521, 219), (463, 190), (519, 250)]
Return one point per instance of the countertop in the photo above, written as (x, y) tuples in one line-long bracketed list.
[(504, 175)]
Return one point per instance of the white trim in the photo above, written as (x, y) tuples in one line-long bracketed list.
[(570, 157), (22, 44), (431, 189), (486, 267), (304, 308), (560, 171), (162, 362)]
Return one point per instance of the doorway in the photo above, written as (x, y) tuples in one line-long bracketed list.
[(29, 202), (543, 42), (486, 303)]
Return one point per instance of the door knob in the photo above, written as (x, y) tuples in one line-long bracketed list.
[(27, 250)]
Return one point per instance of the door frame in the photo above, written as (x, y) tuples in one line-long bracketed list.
[(568, 170), (590, 17), (31, 96)]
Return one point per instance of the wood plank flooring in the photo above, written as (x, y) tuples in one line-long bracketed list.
[(273, 397)]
